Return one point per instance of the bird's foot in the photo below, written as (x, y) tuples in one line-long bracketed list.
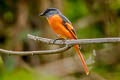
[(59, 39)]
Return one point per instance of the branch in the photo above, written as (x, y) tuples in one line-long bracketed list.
[(21, 53), (58, 42), (73, 42)]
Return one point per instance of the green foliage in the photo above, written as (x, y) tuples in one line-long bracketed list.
[(1, 61), (24, 33), (75, 9), (23, 74), (9, 63), (107, 70), (115, 4), (90, 32), (18, 74), (8, 17)]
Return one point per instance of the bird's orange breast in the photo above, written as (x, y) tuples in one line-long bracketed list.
[(56, 24)]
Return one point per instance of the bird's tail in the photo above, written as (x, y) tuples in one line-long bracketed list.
[(82, 59)]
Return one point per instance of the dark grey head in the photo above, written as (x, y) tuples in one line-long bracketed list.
[(50, 11)]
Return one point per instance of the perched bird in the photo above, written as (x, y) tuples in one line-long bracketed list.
[(64, 29)]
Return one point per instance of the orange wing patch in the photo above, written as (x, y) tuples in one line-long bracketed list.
[(71, 30)]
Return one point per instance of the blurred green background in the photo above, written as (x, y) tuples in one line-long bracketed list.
[(90, 18)]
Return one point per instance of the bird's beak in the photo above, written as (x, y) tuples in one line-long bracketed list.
[(41, 14)]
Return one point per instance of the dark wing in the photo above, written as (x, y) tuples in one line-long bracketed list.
[(68, 26), (65, 19)]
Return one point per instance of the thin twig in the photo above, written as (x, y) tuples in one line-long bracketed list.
[(73, 42), (21, 53)]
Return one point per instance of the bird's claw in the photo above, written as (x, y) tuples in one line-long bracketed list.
[(59, 39)]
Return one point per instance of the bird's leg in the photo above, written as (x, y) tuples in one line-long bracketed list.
[(63, 39), (60, 37)]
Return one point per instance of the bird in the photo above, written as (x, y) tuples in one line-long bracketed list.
[(64, 29)]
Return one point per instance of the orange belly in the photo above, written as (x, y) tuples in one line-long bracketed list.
[(55, 22)]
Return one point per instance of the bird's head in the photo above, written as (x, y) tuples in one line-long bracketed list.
[(49, 12)]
